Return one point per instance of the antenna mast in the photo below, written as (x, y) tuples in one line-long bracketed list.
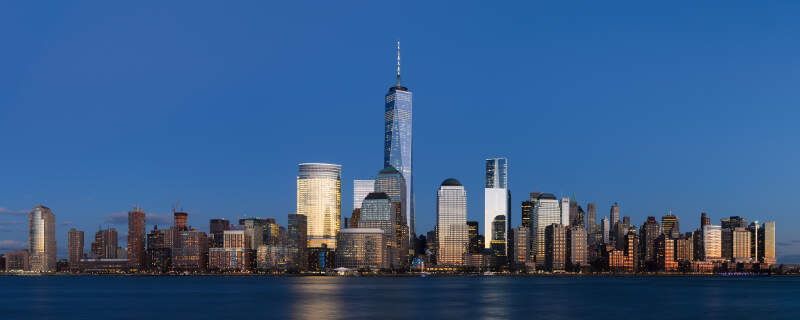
[(398, 63)]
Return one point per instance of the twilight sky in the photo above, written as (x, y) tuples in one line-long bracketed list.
[(677, 106)]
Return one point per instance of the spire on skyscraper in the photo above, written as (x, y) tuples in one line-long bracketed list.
[(398, 63)]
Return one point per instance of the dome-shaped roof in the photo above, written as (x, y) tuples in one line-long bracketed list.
[(389, 170), (451, 182)]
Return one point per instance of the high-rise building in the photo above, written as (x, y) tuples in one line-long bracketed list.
[(254, 230), (377, 212), (75, 240), (190, 251), (361, 188), (473, 233), (671, 225), (361, 248), (234, 254), (296, 237), (576, 246), (497, 202), (451, 223), (42, 239), (741, 245), (591, 213), (18, 261), (319, 198), (564, 211), (180, 220), (216, 230), (521, 245), (526, 212), (684, 248), (136, 238), (555, 247), (665, 253), (605, 228), (105, 244), (391, 182), (498, 236), (614, 214), (704, 220), (726, 242), (546, 212), (712, 242), (766, 244), (397, 140), (272, 233), (649, 232)]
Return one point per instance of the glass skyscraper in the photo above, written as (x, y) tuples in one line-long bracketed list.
[(319, 198), (397, 139), (361, 188), (451, 223), (545, 212), (42, 239), (497, 203)]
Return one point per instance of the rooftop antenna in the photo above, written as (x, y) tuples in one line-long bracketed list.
[(398, 63)]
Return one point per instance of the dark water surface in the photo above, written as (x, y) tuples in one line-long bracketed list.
[(81, 297)]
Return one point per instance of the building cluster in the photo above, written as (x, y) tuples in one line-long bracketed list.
[(555, 234)]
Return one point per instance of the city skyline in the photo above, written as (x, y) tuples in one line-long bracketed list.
[(89, 180)]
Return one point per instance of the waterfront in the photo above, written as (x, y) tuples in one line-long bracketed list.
[(141, 297)]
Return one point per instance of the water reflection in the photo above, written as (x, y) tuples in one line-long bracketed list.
[(316, 298), (494, 298)]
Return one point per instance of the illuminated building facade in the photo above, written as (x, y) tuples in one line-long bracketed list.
[(712, 242), (665, 253), (497, 203), (42, 239), (576, 246), (191, 251), (546, 211), (671, 225), (105, 244), (555, 247), (378, 212), (392, 183), (319, 198), (75, 239), (136, 238), (362, 248), (451, 223)]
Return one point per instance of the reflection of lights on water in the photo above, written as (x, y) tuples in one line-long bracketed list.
[(316, 298)]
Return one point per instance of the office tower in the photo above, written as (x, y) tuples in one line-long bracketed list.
[(296, 238), (42, 239), (555, 247), (432, 247), (319, 198), (649, 232), (671, 225), (591, 213), (573, 211), (254, 230), (180, 220), (632, 251), (378, 212), (526, 212), (498, 236), (521, 245), (497, 201), (741, 245), (272, 232), (361, 188), (105, 244), (360, 248), (472, 233), (234, 254), (564, 211), (726, 241), (766, 244), (75, 245), (276, 257), (576, 247), (546, 212), (605, 228), (397, 139), (391, 182), (159, 255), (216, 230), (665, 253), (734, 222), (712, 242), (704, 220), (684, 246), (451, 223), (191, 251), (136, 237), (614, 214)]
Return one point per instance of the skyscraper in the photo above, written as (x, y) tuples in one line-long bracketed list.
[(397, 136), (555, 247), (42, 239), (105, 244), (216, 229), (451, 223), (545, 212), (377, 212), (766, 247), (576, 246), (361, 188), (614, 214), (605, 228), (526, 213), (296, 237), (136, 237), (319, 198), (497, 200), (564, 219), (649, 232), (75, 240), (472, 232), (498, 236), (591, 213), (391, 182), (671, 225), (712, 242)]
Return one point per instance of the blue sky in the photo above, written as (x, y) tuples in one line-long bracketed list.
[(681, 106)]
